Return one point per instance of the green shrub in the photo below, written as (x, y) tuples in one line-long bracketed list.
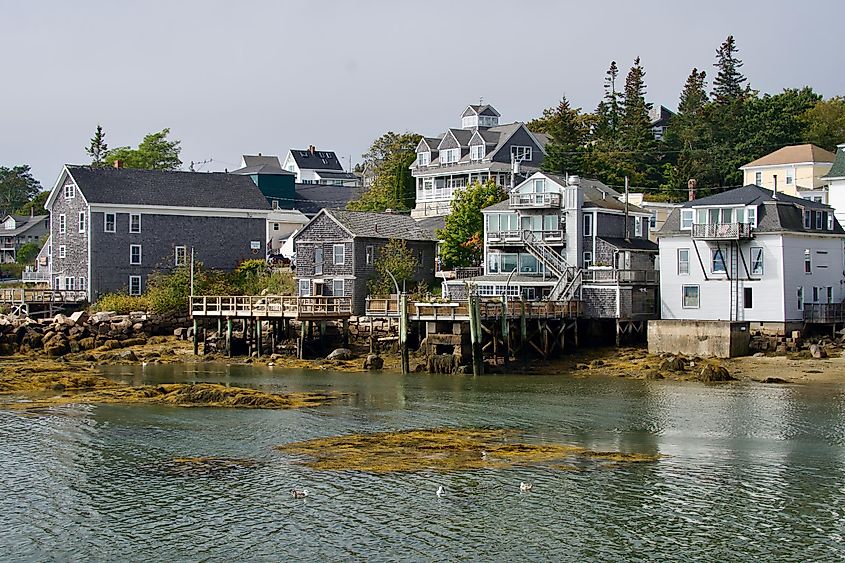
[(121, 303)]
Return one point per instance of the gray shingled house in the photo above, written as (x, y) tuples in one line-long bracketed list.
[(18, 230), (112, 227), (337, 250)]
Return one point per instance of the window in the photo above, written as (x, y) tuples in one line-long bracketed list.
[(369, 255), (135, 254), (829, 294), (551, 222), (520, 153), (815, 294), (808, 219), (181, 256), (80, 284), (756, 261), (337, 288), (62, 224), (275, 226), (830, 221), (69, 283), (62, 251), (134, 222), (476, 152), (808, 265), (690, 295), (318, 260), (539, 185), (790, 177), (686, 219), (652, 221), (109, 222), (752, 216), (423, 158), (758, 178), (683, 261), (449, 156), (275, 204), (747, 300), (638, 226), (800, 293), (70, 190), (588, 225), (81, 221), (527, 263), (588, 259), (718, 266), (134, 285), (304, 288), (338, 254), (818, 219)]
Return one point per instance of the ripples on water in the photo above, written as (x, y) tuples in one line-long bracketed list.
[(755, 473)]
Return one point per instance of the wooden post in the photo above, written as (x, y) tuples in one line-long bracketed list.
[(229, 337), (302, 330), (322, 337), (523, 332), (506, 331), (345, 328), (219, 327), (372, 338), (258, 336), (403, 333), (196, 337), (475, 334), (204, 337)]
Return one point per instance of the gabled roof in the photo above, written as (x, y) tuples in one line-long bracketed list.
[(429, 143), (23, 223), (380, 225), (792, 154), (482, 109), (318, 160), (130, 186), (750, 195), (332, 175), (838, 168), (462, 136), (311, 198), (260, 164)]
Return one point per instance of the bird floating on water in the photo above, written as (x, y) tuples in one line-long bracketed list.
[(440, 491), (296, 493), (525, 487)]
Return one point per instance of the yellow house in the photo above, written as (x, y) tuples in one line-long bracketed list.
[(797, 167)]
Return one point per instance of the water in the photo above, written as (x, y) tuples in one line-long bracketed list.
[(754, 473)]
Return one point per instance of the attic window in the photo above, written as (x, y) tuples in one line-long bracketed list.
[(70, 190), (303, 154)]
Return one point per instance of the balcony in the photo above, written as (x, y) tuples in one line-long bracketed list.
[(613, 276), (534, 200), (36, 277), (459, 273), (507, 238), (722, 231), (824, 312)]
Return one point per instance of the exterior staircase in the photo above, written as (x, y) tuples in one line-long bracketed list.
[(568, 277)]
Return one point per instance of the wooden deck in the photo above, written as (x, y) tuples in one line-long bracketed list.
[(271, 307), (491, 308), (16, 295)]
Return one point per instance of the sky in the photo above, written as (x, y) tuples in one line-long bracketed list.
[(232, 78)]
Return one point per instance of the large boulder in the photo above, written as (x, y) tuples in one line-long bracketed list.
[(341, 354), (713, 373), (373, 362), (817, 351), (79, 317), (673, 363)]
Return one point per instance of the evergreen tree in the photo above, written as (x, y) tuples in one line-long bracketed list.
[(727, 86), (567, 131), (608, 110), (98, 148), (388, 161), (638, 153)]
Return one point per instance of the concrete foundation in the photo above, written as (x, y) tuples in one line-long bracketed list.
[(722, 339)]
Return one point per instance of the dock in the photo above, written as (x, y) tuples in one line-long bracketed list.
[(30, 302)]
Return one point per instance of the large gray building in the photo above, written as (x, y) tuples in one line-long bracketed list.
[(337, 250), (112, 227)]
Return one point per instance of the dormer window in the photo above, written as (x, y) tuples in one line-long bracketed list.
[(423, 158), (449, 156), (476, 152)]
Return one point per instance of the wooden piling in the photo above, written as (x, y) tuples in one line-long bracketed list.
[(302, 329), (506, 332), (523, 332), (229, 337), (475, 334), (196, 337), (403, 333), (258, 337)]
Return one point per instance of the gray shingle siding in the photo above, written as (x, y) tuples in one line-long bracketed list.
[(75, 263), (521, 138)]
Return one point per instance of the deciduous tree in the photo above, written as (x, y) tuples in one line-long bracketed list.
[(387, 164), (155, 152), (824, 123), (394, 257), (17, 188), (462, 235)]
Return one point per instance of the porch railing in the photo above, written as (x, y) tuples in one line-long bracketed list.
[(620, 276), (824, 312), (722, 231)]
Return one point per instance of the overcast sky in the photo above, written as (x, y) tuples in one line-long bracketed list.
[(230, 78)]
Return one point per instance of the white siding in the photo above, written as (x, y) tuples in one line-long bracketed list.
[(829, 276)]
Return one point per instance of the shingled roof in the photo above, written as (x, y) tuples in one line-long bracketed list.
[(318, 160), (130, 186), (838, 168), (792, 154), (260, 164), (380, 225)]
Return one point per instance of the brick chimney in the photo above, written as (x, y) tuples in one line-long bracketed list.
[(312, 149), (691, 185), (118, 163)]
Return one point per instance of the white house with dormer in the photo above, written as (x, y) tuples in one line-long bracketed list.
[(313, 166)]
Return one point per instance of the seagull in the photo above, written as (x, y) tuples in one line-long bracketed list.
[(525, 487), (296, 493), (440, 491)]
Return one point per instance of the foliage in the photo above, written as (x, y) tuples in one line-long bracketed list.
[(35, 206), (155, 152), (825, 123), (394, 257), (462, 236), (727, 86), (252, 277), (121, 303), (388, 161), (27, 253), (98, 149), (17, 188), (567, 129), (639, 149), (11, 270)]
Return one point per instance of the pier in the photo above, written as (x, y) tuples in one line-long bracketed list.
[(31, 302)]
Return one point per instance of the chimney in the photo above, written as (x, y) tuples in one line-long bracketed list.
[(312, 149), (775, 191), (118, 163), (691, 191)]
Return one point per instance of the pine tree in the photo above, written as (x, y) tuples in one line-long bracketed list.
[(637, 143), (567, 133), (608, 110), (98, 148), (727, 86)]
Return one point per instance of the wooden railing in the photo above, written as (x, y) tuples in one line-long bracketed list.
[(21, 295), (555, 236), (722, 231), (824, 312), (35, 277), (270, 306), (534, 200), (620, 276), (491, 307)]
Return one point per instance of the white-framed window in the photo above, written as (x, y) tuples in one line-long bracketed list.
[(304, 288), (758, 178), (800, 295), (719, 265), (638, 226), (476, 152), (815, 294), (423, 158), (830, 221), (808, 219), (318, 260), (808, 261), (652, 221), (109, 222), (829, 294), (62, 224), (751, 213), (756, 260), (338, 254), (62, 251), (135, 254), (819, 219), (690, 296), (520, 153), (337, 288), (686, 219), (449, 156), (69, 281), (683, 261), (134, 285), (70, 190), (790, 177), (134, 222), (275, 226), (588, 259), (369, 255), (181, 255), (275, 204), (82, 221), (80, 284), (588, 225)]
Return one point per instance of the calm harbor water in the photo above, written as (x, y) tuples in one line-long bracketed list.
[(753, 473)]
